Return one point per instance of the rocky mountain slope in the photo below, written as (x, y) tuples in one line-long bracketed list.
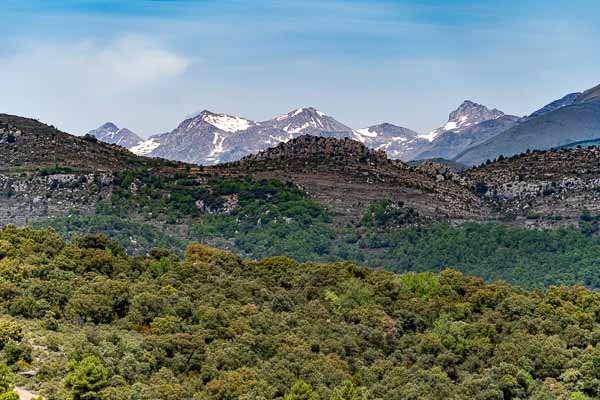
[(398, 142), (561, 123), (41, 147), (112, 134), (313, 197), (45, 172), (555, 184), (348, 177)]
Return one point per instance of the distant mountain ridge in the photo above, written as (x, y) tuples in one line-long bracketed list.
[(574, 118), (472, 134), (210, 138)]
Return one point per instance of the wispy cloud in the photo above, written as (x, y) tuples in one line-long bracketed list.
[(69, 82)]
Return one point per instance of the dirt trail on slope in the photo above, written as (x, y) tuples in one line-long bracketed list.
[(25, 394)]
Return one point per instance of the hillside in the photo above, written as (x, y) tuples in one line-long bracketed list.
[(561, 184), (348, 177), (40, 146), (95, 323)]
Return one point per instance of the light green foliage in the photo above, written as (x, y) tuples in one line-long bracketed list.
[(6, 384), (350, 392), (301, 391), (5, 379), (9, 330), (86, 378)]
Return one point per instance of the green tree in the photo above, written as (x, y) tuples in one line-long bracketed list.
[(9, 330), (301, 391), (350, 392), (86, 378), (6, 384)]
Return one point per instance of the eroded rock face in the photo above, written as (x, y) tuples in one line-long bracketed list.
[(551, 183), (34, 198)]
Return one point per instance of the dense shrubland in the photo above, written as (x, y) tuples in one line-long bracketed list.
[(99, 324)]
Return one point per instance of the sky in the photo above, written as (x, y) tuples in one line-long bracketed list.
[(148, 64)]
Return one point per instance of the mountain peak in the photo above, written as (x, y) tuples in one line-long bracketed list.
[(304, 111), (469, 113), (109, 126), (307, 120), (224, 122), (112, 134)]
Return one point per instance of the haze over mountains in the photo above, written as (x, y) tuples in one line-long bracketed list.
[(473, 133)]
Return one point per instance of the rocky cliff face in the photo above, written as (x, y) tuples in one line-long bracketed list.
[(556, 184), (35, 198)]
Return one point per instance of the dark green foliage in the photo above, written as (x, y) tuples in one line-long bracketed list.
[(267, 218), (136, 237), (386, 213), (55, 170)]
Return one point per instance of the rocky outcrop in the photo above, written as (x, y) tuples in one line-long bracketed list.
[(25, 200)]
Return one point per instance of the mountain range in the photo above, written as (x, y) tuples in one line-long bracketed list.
[(472, 134)]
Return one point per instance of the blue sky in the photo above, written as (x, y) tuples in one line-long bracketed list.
[(147, 64)]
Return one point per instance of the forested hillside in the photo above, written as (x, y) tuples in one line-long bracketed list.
[(98, 324), (267, 218)]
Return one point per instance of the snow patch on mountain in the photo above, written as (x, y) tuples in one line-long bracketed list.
[(228, 123), (366, 132), (145, 147)]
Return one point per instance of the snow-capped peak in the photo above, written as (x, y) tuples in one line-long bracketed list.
[(307, 119), (467, 114), (224, 122), (298, 111)]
